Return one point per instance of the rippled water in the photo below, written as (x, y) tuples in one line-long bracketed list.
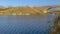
[(26, 24)]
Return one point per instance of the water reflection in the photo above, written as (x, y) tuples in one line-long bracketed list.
[(26, 24)]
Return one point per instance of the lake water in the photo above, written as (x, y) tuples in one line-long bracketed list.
[(26, 24)]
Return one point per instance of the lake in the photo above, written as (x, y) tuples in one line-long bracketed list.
[(26, 24)]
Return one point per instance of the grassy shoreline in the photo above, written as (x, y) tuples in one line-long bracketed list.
[(56, 28)]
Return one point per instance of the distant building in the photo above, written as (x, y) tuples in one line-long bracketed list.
[(54, 9), (45, 11)]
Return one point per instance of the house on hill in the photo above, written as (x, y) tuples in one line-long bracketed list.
[(55, 10)]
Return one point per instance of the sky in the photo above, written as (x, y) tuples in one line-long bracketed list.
[(29, 2)]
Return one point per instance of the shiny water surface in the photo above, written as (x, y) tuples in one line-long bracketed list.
[(26, 24)]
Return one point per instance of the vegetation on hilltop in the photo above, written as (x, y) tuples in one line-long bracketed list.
[(21, 11), (25, 10)]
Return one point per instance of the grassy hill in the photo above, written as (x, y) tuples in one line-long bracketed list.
[(29, 11), (26, 10)]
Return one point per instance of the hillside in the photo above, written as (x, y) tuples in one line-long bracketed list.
[(25, 10)]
